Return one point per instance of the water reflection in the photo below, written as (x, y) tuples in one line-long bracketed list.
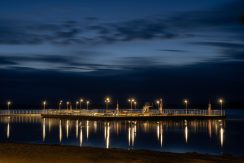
[(160, 133), (221, 136), (87, 130), (81, 136), (95, 126), (186, 131), (221, 133), (107, 133), (8, 130), (44, 129), (60, 131), (125, 134), (77, 129), (49, 125), (67, 129), (131, 133), (210, 128)]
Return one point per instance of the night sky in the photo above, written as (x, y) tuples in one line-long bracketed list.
[(67, 49)]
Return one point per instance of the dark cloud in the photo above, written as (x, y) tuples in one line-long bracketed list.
[(142, 29), (40, 58), (222, 44), (237, 54), (6, 61), (174, 50), (103, 30), (139, 29), (13, 35), (74, 32), (233, 51), (242, 19), (135, 62), (78, 62), (44, 27), (184, 24)]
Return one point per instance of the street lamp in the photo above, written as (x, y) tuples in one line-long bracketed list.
[(221, 104), (158, 102), (87, 104), (107, 101), (131, 100), (81, 100), (8, 104), (44, 104), (67, 103), (135, 103), (60, 103), (186, 102), (76, 104)]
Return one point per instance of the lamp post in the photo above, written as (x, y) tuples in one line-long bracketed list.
[(44, 104), (186, 102), (67, 103), (107, 101), (221, 105), (131, 100), (87, 104), (8, 104), (60, 103), (70, 107), (76, 104), (81, 100), (158, 102), (135, 103)]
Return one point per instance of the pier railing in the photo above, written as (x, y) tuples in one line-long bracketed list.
[(22, 112), (137, 112), (125, 112)]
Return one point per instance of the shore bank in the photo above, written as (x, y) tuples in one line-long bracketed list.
[(56, 153)]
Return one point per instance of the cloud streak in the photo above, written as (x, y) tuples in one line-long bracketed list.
[(94, 33)]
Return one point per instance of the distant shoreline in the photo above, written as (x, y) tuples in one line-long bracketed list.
[(10, 152)]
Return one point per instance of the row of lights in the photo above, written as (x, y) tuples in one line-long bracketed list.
[(107, 101), (68, 104), (186, 101), (131, 100)]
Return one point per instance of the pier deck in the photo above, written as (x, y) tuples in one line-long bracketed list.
[(134, 114), (123, 114)]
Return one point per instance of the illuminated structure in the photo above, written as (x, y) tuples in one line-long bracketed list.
[(135, 103), (117, 107), (161, 106), (8, 104), (44, 104), (59, 105), (76, 105), (67, 103), (107, 101), (221, 105), (186, 102), (81, 100), (131, 100), (87, 104), (209, 107)]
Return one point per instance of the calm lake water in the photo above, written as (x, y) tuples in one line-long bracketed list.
[(202, 136)]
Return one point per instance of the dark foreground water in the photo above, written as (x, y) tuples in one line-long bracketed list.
[(202, 136)]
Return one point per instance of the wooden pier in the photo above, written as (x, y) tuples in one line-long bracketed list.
[(122, 114), (134, 114)]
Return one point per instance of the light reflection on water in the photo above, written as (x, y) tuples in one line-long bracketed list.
[(205, 136)]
